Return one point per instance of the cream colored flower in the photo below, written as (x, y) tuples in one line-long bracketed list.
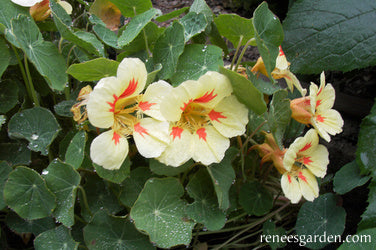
[(281, 70), (117, 103), (203, 115)]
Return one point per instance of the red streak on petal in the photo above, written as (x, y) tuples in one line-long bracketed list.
[(307, 102), (186, 104), (281, 53), (319, 91), (176, 132), (289, 178), (302, 177), (141, 130), (201, 133), (112, 104), (318, 102), (319, 118), (145, 105), (130, 89), (306, 160), (307, 146), (207, 97), (116, 138), (214, 115)]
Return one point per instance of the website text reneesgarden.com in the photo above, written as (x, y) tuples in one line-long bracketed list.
[(302, 240)]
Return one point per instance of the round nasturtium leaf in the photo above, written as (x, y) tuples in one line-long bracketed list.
[(322, 216), (255, 199), (76, 150), (19, 225), (4, 172), (269, 228), (37, 125), (57, 238), (116, 175), (363, 240), (27, 194), (162, 169), (8, 95), (160, 212), (348, 178), (108, 232)]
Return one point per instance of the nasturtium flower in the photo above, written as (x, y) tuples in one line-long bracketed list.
[(117, 103), (303, 160), (316, 109), (203, 115), (281, 70), (40, 9)]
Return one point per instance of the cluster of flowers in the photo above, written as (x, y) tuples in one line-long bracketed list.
[(305, 158), (194, 120)]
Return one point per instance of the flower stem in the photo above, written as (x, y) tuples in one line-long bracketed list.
[(84, 197), (30, 83), (236, 52), (242, 54)]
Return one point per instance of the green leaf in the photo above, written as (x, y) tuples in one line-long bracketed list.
[(269, 228), (63, 180), (172, 14), (245, 91), (37, 125), (205, 208), (130, 8), (152, 75), (7, 153), (268, 35), (132, 186), (160, 212), (255, 199), (93, 70), (99, 196), (265, 87), (193, 24), (4, 172), (3, 120), (44, 55), (4, 56), (57, 238), (330, 35), (234, 28), (76, 150), (162, 169), (322, 216), (8, 95), (366, 150), (135, 26), (85, 40), (369, 216), (200, 6), (27, 194), (196, 60), (279, 115), (168, 48), (8, 11), (363, 240), (108, 232), (216, 38), (223, 176), (63, 108), (19, 225), (108, 36), (348, 178), (116, 175)]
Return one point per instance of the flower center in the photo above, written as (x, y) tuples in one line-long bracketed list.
[(194, 116)]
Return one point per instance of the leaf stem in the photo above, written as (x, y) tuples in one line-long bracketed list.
[(30, 83), (84, 197), (236, 52), (22, 68), (242, 54)]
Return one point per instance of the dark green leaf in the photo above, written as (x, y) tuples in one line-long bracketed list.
[(8, 95), (268, 35), (19, 225), (160, 212), (193, 24), (108, 36), (27, 194), (255, 199), (265, 87), (4, 56), (363, 240), (63, 108), (4, 172), (57, 238), (348, 178), (205, 208), (63, 180), (116, 175), (135, 26), (76, 150), (171, 15), (369, 216), (330, 35), (15, 154), (200, 6), (223, 176), (93, 70), (152, 75), (130, 8), (168, 48), (322, 216), (245, 91), (196, 60), (162, 169), (108, 232), (8, 11), (37, 125), (269, 228)]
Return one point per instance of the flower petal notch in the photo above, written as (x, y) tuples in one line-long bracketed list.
[(203, 115)]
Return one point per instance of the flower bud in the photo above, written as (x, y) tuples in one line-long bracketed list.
[(40, 11), (301, 110)]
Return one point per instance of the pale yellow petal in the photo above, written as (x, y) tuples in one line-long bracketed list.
[(308, 185), (132, 74), (66, 6), (292, 81), (26, 3), (209, 145), (153, 97), (229, 117), (151, 137), (109, 150), (318, 161), (290, 187), (281, 62), (328, 122), (325, 98), (180, 148)]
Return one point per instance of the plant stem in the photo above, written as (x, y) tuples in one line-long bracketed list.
[(236, 52), (242, 54), (22, 68), (236, 217), (30, 83), (84, 197)]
